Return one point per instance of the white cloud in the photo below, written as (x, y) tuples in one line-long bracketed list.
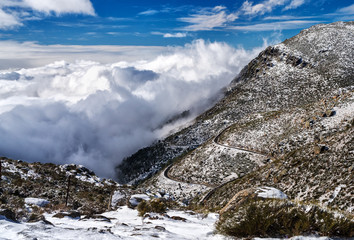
[(175, 35), (149, 12), (61, 6), (347, 10), (171, 35), (208, 19), (294, 4), (29, 54), (273, 26), (16, 8), (248, 8), (288, 17), (96, 114), (8, 20)]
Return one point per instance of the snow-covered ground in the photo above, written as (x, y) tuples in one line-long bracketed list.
[(121, 224)]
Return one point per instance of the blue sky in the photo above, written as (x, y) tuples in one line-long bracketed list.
[(160, 23)]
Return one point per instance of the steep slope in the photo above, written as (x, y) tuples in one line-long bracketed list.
[(286, 122), (300, 71)]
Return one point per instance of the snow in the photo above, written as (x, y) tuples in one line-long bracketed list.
[(124, 224), (13, 168), (40, 202), (342, 113), (86, 176), (270, 192), (117, 195), (136, 199), (336, 191)]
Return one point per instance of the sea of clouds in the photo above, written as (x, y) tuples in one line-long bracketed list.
[(95, 114)]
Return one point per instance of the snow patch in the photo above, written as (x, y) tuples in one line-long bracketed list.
[(270, 192), (137, 198), (40, 202)]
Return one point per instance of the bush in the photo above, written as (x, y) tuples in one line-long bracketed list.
[(158, 205), (281, 218)]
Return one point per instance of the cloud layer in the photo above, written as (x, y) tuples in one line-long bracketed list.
[(97, 114), (29, 54)]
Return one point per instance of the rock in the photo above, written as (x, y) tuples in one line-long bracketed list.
[(59, 215), (10, 215), (72, 214), (97, 217), (160, 228), (329, 113), (317, 150), (35, 218), (178, 218)]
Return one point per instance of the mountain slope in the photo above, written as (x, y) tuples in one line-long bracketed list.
[(302, 70), (287, 122)]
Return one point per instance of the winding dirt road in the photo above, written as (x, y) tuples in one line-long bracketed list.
[(216, 141)]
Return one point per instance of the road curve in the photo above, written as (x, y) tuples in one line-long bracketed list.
[(215, 140)]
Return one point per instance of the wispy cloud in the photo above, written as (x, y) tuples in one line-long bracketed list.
[(274, 26), (208, 19), (347, 10), (12, 12), (248, 8), (8, 21), (171, 35), (219, 17), (294, 4), (149, 12), (288, 17)]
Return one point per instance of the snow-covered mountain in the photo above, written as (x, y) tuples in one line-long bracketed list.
[(286, 121), (273, 158), (315, 64)]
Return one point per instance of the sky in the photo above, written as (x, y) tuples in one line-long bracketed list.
[(163, 23), (92, 82)]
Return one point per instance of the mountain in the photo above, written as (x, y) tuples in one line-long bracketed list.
[(286, 122), (302, 70), (273, 158)]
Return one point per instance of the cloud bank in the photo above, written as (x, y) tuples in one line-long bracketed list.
[(29, 54), (96, 114)]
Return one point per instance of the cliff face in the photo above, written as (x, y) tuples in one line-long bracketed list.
[(285, 121)]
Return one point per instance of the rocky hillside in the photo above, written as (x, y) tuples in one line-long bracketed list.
[(311, 66), (29, 189), (286, 122)]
